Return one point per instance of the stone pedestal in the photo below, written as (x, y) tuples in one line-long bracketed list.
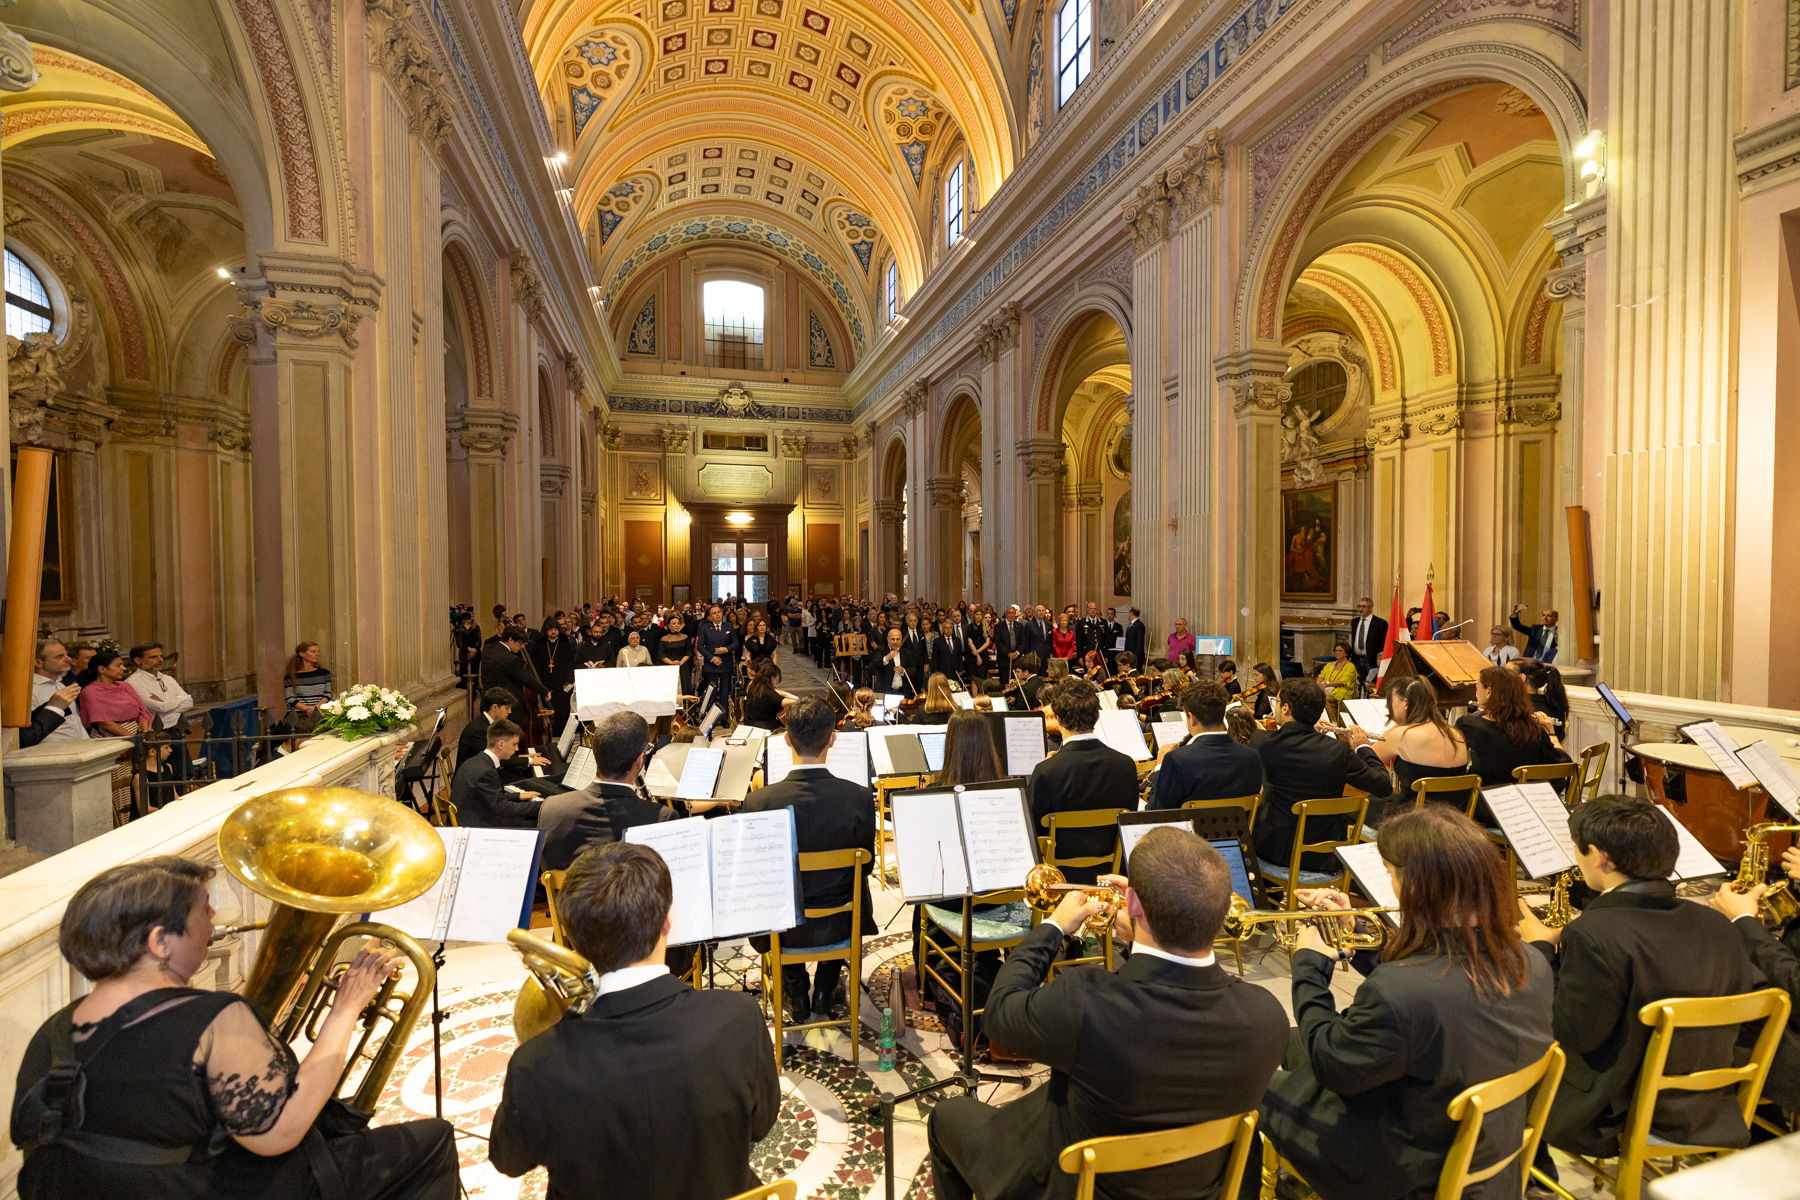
[(60, 791)]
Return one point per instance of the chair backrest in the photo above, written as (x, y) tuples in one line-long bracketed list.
[(1090, 818), (1355, 807), (1770, 1005), (1546, 773), (837, 860), (1468, 785), (1139, 1151), (553, 883), (1473, 1104), (1250, 804), (781, 1189), (1593, 764)]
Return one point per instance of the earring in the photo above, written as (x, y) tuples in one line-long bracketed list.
[(162, 964)]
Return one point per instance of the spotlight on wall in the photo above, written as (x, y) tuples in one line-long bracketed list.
[(738, 518), (224, 272), (1591, 154), (560, 158)]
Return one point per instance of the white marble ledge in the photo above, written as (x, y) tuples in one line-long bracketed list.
[(56, 756), (33, 899)]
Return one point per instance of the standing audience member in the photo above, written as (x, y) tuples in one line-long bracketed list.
[(166, 699), (52, 691), (1368, 637), (306, 685)]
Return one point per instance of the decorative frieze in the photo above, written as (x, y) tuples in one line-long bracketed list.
[(528, 286), (1516, 412), (1385, 433), (304, 319)]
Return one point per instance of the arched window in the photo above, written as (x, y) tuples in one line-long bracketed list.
[(1074, 47), (953, 205), (734, 323), (891, 292), (27, 302)]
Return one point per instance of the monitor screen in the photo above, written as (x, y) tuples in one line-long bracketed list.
[(933, 745), (1240, 874), (1612, 702)]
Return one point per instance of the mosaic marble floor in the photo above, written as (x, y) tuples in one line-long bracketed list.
[(828, 1138)]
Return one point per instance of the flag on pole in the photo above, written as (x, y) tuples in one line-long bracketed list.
[(1427, 618), (1395, 631)]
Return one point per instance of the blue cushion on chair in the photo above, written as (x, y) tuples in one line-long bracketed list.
[(998, 925), (843, 945), (1306, 878)]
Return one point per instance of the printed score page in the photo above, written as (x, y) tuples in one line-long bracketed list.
[(928, 848), (997, 832), (1168, 733), (754, 873), (685, 847), (1109, 700), (1132, 832), (1539, 836), (1721, 748), (1121, 731), (848, 757), (1024, 745), (1773, 775), (581, 770), (425, 917), (495, 884), (1694, 862), (879, 754), (700, 773), (1370, 873), (1370, 714), (779, 760)]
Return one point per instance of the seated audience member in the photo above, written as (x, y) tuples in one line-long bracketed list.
[(479, 791), (1635, 943), (1300, 763), (182, 1091), (657, 1090), (1085, 774), (1169, 1039), (53, 697), (1210, 766), (829, 814), (1507, 732), (1456, 1000)]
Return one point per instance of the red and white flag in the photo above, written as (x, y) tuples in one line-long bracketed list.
[(1395, 631)]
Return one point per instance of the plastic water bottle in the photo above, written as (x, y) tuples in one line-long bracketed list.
[(885, 1041)]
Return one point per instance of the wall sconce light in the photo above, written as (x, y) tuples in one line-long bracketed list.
[(1591, 154), (738, 518), (224, 272)]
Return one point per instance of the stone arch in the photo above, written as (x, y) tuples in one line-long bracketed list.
[(475, 314), (546, 411), (1092, 302), (893, 469), (962, 418)]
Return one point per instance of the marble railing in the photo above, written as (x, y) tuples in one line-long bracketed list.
[(1657, 717), (35, 981)]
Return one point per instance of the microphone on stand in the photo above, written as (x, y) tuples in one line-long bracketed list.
[(1439, 635)]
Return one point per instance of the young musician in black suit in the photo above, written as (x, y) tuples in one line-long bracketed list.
[(479, 791), (829, 814), (1455, 1000), (1212, 766), (1169, 1039), (1777, 955), (1085, 774), (621, 748), (657, 1091), (1300, 763), (1030, 691), (496, 705), (1635, 943)]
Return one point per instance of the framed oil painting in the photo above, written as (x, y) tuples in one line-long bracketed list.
[(1309, 540)]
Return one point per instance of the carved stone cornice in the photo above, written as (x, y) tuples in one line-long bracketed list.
[(575, 374), (999, 333), (1439, 423), (1579, 231), (1256, 380), (944, 492), (1770, 154), (1147, 215), (406, 60), (1385, 433), (143, 427), (675, 441), (528, 287), (553, 479), (17, 71), (1197, 181), (1564, 283), (306, 320), (1519, 412), (1042, 458), (483, 430), (795, 445)]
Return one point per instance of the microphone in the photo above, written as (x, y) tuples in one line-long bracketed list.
[(1439, 635)]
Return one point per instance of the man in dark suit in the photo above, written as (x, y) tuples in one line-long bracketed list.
[(621, 748), (829, 814), (1636, 943), (1211, 766), (504, 665), (1540, 640), (572, 822), (479, 792), (1092, 632), (526, 764), (1368, 636), (1009, 641), (1110, 639), (1085, 774), (947, 649), (657, 1091), (1169, 1039), (716, 650), (1300, 763), (1135, 634), (1037, 634)]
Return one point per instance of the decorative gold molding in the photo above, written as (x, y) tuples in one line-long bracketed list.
[(1385, 433)]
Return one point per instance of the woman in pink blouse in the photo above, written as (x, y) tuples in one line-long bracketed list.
[(111, 707), (1180, 640)]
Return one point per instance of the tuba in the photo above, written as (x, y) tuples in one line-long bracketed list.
[(1242, 920), (320, 852), (1779, 905), (560, 980), (1044, 888)]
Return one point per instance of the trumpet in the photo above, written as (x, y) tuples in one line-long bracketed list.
[(561, 980), (1779, 905), (1045, 886), (1242, 920)]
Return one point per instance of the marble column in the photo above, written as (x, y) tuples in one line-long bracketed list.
[(1194, 185), (17, 72), (1580, 238), (888, 522), (1041, 462), (1152, 459), (946, 501), (1255, 381), (1671, 278)]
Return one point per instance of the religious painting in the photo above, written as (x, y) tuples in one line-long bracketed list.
[(1309, 539), (1121, 536)]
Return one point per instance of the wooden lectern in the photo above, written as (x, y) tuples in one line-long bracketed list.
[(1451, 667)]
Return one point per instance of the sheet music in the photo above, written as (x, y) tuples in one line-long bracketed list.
[(1539, 837), (1109, 700), (1024, 744), (1371, 715), (779, 762), (1118, 644), (1172, 718), (1121, 731), (997, 834), (928, 846), (700, 773), (1168, 733), (1773, 775), (848, 757), (1132, 832), (1721, 748), (963, 699), (933, 746), (581, 770), (659, 780), (427, 916), (483, 893), (570, 729), (754, 868), (650, 692), (1693, 862), (879, 754), (1370, 872), (892, 701), (1000, 704), (685, 847)]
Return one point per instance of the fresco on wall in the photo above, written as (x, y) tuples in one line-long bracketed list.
[(1122, 546)]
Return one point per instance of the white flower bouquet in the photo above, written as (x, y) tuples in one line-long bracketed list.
[(364, 710)]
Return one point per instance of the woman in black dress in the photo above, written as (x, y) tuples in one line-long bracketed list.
[(764, 702), (675, 648), (205, 1102), (1507, 732), (760, 643), (1261, 694), (1419, 745), (1547, 693)]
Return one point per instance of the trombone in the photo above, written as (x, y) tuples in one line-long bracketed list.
[(1242, 920)]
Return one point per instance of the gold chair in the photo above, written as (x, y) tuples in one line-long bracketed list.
[(1250, 804), (1551, 773), (993, 930), (1592, 765), (1092, 818), (850, 950), (1293, 877), (1470, 785), (443, 811), (884, 819), (781, 1189), (1636, 1147), (553, 884), (1139, 1151)]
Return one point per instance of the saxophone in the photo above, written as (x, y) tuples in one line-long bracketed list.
[(1779, 905)]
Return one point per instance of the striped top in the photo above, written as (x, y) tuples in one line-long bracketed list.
[(308, 687)]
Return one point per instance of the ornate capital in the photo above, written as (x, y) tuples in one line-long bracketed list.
[(1541, 412), (228, 437), (1385, 433), (795, 445), (610, 436), (405, 58), (848, 442), (889, 512), (675, 441), (913, 398), (528, 287), (999, 333), (17, 71), (483, 430), (1445, 420), (575, 373), (1562, 283), (553, 479), (944, 492), (1198, 180), (304, 319), (1256, 380), (1147, 215)]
